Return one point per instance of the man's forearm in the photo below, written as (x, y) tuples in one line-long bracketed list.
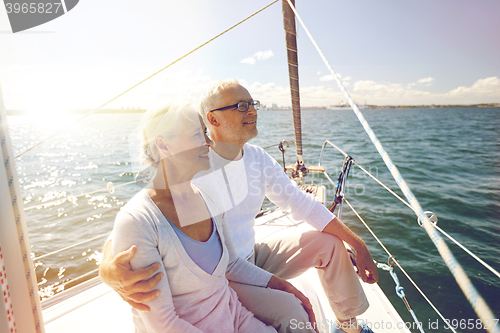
[(367, 270), (336, 228)]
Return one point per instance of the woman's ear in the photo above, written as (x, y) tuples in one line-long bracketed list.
[(161, 144)]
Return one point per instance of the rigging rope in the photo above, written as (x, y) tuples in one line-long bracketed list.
[(400, 291), (141, 82), (64, 284), (71, 246), (340, 191), (478, 304), (482, 262), (109, 189), (400, 267)]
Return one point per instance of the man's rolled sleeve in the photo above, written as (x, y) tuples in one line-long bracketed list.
[(287, 195), (319, 216)]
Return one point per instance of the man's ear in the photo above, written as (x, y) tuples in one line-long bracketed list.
[(212, 119), (161, 144)]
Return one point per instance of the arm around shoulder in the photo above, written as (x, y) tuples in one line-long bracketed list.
[(134, 287), (129, 232)]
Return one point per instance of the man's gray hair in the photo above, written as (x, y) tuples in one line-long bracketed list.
[(211, 97)]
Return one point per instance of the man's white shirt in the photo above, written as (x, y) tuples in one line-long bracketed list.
[(240, 187)]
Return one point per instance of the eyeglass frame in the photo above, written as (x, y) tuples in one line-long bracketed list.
[(256, 106)]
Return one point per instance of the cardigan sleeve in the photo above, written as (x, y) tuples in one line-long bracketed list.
[(130, 231)]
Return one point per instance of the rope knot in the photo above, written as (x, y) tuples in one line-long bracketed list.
[(400, 291)]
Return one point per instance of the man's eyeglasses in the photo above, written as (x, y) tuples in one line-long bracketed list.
[(242, 106)]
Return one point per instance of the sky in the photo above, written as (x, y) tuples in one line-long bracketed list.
[(387, 52)]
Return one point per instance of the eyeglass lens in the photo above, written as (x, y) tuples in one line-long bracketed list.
[(243, 106)]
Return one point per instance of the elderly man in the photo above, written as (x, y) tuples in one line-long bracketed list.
[(231, 117)]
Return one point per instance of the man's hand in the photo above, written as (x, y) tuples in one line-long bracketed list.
[(281, 284), (367, 269), (132, 286)]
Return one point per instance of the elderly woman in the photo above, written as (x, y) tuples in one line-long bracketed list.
[(171, 222)]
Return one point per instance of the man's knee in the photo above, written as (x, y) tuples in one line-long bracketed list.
[(320, 245), (319, 238)]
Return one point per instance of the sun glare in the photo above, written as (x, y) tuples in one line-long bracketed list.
[(50, 118)]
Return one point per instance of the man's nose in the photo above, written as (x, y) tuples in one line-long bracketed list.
[(251, 110)]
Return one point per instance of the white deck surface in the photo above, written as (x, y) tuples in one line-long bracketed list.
[(99, 309)]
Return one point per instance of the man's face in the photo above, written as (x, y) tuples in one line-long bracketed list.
[(234, 126)]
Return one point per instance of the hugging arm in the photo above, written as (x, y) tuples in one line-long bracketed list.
[(128, 232), (134, 287)]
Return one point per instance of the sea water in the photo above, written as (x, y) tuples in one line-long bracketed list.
[(450, 158)]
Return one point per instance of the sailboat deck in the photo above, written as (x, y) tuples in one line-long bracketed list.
[(94, 307)]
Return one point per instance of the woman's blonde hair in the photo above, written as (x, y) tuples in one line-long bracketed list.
[(163, 120)]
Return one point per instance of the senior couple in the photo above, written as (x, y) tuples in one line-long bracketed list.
[(182, 252)]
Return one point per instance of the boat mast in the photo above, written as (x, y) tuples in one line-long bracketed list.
[(300, 169)]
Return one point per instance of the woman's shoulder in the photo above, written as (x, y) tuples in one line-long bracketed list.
[(140, 209)]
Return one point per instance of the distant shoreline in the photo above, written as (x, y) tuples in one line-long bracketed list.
[(286, 108), (481, 105), (365, 107)]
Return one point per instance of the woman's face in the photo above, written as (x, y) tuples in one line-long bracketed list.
[(188, 150)]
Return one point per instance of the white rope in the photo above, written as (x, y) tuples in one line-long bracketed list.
[(400, 267), (400, 291), (4, 289), (71, 246), (482, 262), (494, 271), (60, 201), (383, 185), (478, 304), (63, 285)]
